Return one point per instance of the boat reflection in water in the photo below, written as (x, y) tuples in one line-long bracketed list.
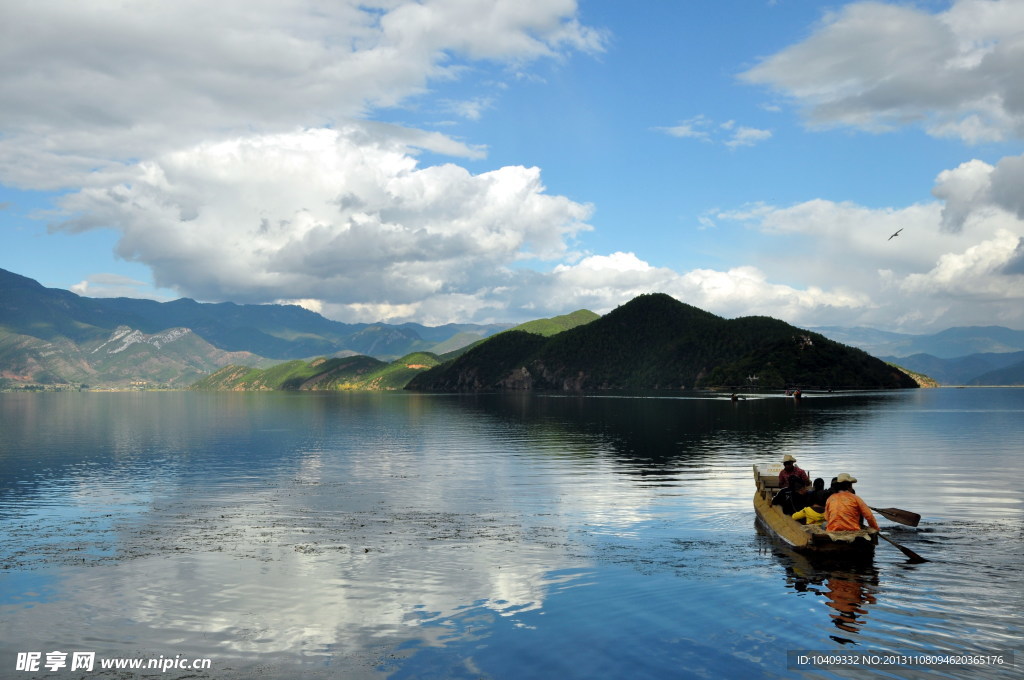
[(850, 587), (849, 595)]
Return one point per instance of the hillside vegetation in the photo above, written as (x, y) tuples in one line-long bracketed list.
[(557, 324), (363, 372), (348, 373), (657, 342)]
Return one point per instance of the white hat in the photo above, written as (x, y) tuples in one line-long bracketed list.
[(788, 459), (843, 477)]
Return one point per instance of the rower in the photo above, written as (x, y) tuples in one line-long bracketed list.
[(844, 510)]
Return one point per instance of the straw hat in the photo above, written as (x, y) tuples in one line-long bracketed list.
[(788, 459), (843, 477)]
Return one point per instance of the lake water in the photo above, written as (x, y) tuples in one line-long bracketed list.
[(496, 536)]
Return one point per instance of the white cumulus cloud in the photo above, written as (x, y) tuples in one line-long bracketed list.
[(230, 146), (875, 66), (978, 188), (602, 282), (957, 263), (92, 85), (329, 215)]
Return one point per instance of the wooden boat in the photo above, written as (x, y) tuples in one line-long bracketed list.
[(807, 539)]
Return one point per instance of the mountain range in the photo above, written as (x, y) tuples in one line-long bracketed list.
[(965, 355), (951, 343), (54, 337)]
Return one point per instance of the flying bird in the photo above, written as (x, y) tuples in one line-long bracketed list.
[(895, 235)]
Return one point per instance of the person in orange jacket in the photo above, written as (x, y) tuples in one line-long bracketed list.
[(844, 510)]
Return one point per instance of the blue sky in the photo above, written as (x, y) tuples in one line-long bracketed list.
[(477, 161)]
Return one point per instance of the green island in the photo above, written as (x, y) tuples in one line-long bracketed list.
[(657, 342)]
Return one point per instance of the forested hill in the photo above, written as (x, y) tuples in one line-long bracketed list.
[(657, 342)]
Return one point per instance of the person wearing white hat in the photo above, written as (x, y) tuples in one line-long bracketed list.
[(790, 469), (844, 509)]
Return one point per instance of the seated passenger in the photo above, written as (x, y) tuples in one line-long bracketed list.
[(789, 470), (801, 494), (812, 514), (783, 498), (818, 493), (793, 497)]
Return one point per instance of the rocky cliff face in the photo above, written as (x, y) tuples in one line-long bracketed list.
[(127, 358), (124, 337)]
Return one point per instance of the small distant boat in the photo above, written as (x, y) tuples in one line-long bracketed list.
[(807, 539)]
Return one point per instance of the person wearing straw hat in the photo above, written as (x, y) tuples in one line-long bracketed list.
[(790, 469), (844, 509)]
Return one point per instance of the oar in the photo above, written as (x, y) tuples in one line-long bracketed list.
[(911, 519), (914, 557)]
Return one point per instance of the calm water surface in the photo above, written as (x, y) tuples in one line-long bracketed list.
[(515, 536)]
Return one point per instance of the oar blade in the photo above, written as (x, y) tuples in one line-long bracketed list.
[(914, 557), (911, 519)]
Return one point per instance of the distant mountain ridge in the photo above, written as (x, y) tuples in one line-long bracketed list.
[(53, 336), (657, 342), (128, 357), (974, 369), (966, 355), (363, 372), (272, 331), (951, 343), (1009, 375)]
